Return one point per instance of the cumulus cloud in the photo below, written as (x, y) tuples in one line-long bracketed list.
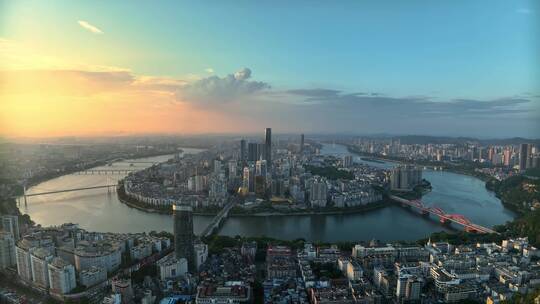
[(217, 90), (87, 26), (242, 74)]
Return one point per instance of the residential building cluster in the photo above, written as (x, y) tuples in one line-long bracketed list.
[(523, 156), (375, 273), (277, 173), (60, 260), (66, 261)]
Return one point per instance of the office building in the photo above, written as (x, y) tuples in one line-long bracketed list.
[(243, 150), (217, 166), (255, 151), (261, 167), (523, 156), (260, 185), (183, 234), (268, 146), (232, 168), (301, 142), (245, 180)]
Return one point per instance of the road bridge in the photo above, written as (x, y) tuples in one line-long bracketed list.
[(70, 190), (106, 171), (443, 217), (218, 221), (26, 195)]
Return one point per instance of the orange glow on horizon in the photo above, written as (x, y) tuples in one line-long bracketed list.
[(44, 96), (59, 103)]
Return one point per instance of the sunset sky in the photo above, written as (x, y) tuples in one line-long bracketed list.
[(402, 67)]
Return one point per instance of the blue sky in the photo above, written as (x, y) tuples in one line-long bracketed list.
[(441, 51)]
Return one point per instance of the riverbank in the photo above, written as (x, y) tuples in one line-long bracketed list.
[(453, 168), (106, 213), (123, 198), (70, 170), (334, 211)]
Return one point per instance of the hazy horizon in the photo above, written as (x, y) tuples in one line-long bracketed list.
[(457, 68)]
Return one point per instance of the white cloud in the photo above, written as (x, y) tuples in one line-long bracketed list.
[(243, 74), (89, 27), (209, 70), (215, 90)]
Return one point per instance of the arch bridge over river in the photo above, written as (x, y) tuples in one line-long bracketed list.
[(100, 210)]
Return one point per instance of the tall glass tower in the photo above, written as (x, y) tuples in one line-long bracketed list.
[(183, 234), (268, 146)]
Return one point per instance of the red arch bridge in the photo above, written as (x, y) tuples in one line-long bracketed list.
[(444, 217)]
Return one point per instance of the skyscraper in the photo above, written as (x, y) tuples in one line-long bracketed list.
[(523, 156), (183, 234), (268, 146), (529, 156), (245, 180), (243, 150), (301, 142), (507, 157), (261, 167), (255, 151)]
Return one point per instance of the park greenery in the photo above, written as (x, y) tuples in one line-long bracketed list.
[(330, 172), (522, 195)]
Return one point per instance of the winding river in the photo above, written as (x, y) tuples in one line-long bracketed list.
[(100, 210)]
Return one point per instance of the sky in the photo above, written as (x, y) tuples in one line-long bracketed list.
[(102, 68)]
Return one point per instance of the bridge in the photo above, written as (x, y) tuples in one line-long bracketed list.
[(25, 195), (218, 221), (70, 190), (139, 162), (123, 160), (105, 171), (443, 216)]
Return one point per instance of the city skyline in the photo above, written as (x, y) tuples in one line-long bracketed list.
[(250, 152), (456, 69)]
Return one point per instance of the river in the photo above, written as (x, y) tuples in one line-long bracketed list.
[(99, 210)]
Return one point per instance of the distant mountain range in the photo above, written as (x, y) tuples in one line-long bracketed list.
[(422, 139)]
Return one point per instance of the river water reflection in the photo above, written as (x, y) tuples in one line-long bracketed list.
[(98, 210)]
